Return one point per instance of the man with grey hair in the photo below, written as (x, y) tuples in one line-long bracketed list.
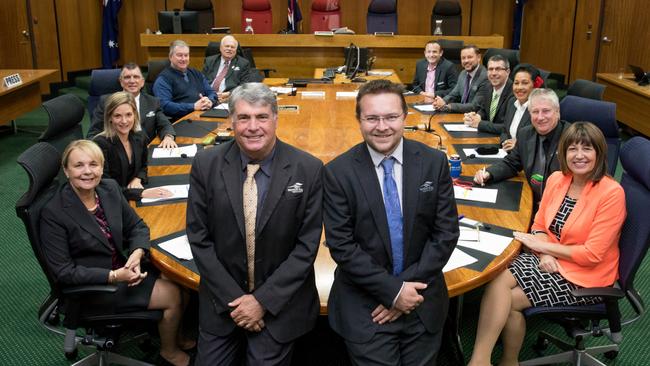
[(181, 88), (226, 70), (254, 222), (536, 148)]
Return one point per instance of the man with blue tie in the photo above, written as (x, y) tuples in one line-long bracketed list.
[(391, 224)]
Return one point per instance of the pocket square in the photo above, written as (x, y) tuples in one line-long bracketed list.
[(426, 187), (150, 114), (236, 68), (295, 188)]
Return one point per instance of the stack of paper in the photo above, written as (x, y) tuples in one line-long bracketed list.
[(476, 194), (424, 107), (459, 127), (178, 191), (188, 151), (179, 247)]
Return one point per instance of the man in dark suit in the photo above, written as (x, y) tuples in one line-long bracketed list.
[(254, 222), (434, 75), (491, 117), (391, 224), (226, 70), (152, 119), (472, 88), (536, 149)]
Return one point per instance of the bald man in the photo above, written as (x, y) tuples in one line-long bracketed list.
[(237, 69)]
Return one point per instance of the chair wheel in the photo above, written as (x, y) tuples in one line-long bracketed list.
[(611, 355), (540, 345), (71, 355)]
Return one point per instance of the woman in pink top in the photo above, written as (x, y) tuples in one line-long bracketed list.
[(573, 243)]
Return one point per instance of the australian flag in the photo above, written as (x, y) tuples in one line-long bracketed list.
[(294, 16), (110, 50)]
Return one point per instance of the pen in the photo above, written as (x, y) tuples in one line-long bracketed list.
[(460, 217)]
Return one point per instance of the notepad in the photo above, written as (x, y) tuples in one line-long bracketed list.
[(489, 242), (459, 127), (178, 191), (458, 259), (424, 107), (476, 194), (346, 95), (177, 152), (500, 155), (179, 247)]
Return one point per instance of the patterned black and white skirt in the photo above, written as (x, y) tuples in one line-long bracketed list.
[(543, 288)]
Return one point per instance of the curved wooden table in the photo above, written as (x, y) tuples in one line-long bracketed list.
[(327, 127)]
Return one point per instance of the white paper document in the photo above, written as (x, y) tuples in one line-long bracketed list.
[(458, 259), (489, 243), (476, 194), (379, 73), (222, 106), (501, 154), (468, 234), (424, 107), (314, 94), (179, 247), (344, 94), (177, 152), (459, 127), (178, 191), (282, 90)]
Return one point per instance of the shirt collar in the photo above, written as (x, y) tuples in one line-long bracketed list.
[(378, 157), (473, 73), (500, 90), (265, 165), (519, 106)]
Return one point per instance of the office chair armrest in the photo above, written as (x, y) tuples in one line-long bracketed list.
[(267, 72), (85, 290), (604, 292)]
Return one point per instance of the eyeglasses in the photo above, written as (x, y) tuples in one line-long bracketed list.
[(388, 118), (497, 69)]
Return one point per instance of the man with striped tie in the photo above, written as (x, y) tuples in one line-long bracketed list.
[(472, 87)]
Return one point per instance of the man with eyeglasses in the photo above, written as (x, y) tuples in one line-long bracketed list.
[(254, 223), (390, 224), (152, 119), (472, 88), (491, 117)]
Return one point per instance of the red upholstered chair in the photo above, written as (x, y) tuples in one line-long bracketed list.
[(325, 15), (260, 12)]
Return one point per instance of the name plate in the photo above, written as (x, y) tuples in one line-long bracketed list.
[(12, 80)]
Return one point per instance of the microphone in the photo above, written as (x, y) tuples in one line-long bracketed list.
[(214, 140), (470, 156)]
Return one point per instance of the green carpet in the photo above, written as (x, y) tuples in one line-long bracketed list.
[(24, 342)]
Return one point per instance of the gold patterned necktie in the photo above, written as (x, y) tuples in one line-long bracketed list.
[(250, 216)]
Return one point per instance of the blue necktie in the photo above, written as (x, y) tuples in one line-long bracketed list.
[(394, 215)]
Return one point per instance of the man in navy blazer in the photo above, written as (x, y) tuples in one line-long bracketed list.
[(391, 224), (254, 304), (152, 119), (434, 75), (238, 72)]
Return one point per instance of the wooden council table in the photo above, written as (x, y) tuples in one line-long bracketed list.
[(326, 132), (632, 101), (23, 98)]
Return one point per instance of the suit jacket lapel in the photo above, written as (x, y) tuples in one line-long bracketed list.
[(411, 178), (231, 175), (124, 159), (73, 207), (280, 176), (368, 184)]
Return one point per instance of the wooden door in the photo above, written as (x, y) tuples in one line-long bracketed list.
[(626, 31), (586, 40), (547, 34), (15, 36)]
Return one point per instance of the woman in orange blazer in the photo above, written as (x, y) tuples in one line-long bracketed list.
[(573, 243)]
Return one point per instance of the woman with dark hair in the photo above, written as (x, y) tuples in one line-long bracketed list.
[(526, 78), (124, 146), (92, 236), (573, 243)]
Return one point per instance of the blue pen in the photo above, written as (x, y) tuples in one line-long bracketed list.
[(460, 217)]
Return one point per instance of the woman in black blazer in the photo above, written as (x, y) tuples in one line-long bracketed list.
[(87, 228), (526, 78), (124, 146)]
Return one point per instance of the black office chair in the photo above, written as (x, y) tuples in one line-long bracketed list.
[(633, 245), (450, 12), (600, 113), (586, 89), (206, 13), (41, 163), (451, 49), (102, 81), (511, 55), (382, 16), (154, 68), (245, 52), (65, 113)]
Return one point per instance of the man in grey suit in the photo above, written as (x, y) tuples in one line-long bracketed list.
[(391, 224), (152, 119), (254, 222), (490, 118), (226, 70), (472, 88), (434, 75)]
